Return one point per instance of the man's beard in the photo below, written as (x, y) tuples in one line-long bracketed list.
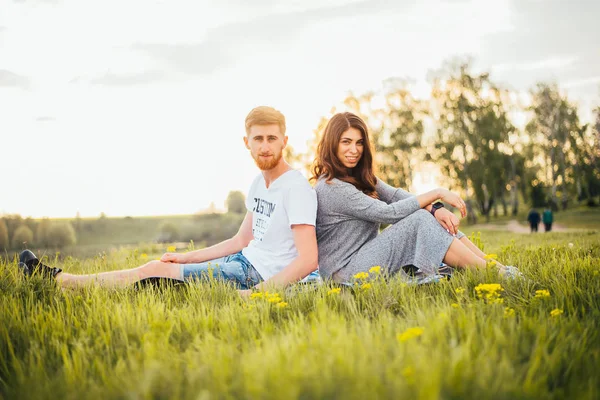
[(267, 164)]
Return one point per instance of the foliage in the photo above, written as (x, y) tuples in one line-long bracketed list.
[(61, 234), (4, 238), (22, 237), (561, 143), (168, 232), (388, 340), (473, 131), (236, 202), (42, 233)]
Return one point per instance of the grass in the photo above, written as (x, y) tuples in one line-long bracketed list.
[(203, 341)]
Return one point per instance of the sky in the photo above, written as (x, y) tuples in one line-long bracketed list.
[(137, 107)]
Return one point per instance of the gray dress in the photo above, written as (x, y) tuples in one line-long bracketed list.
[(348, 235)]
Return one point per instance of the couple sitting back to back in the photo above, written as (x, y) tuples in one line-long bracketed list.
[(276, 244)]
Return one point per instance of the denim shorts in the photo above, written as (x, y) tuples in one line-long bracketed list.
[(233, 268)]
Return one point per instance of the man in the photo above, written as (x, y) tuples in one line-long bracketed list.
[(534, 219), (275, 246)]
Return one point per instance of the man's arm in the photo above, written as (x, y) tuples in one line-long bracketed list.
[(226, 247), (305, 239)]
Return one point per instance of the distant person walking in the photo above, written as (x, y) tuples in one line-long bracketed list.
[(534, 220), (547, 219)]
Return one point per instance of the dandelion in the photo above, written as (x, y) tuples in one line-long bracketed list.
[(144, 256), (281, 304), (556, 312), (256, 295), (408, 372), (334, 291), (171, 249), (459, 290), (454, 305), (410, 333), (273, 297), (489, 292), (361, 276), (491, 256), (571, 245), (540, 294), (509, 312), (365, 286), (375, 270)]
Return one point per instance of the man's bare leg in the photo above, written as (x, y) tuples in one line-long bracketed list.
[(121, 278)]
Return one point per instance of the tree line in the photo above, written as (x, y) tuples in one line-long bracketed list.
[(467, 128)]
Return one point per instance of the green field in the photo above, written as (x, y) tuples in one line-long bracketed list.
[(383, 340)]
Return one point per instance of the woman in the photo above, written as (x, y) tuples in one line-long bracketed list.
[(353, 202)]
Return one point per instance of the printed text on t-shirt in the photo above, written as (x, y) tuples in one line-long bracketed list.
[(262, 223), (263, 207)]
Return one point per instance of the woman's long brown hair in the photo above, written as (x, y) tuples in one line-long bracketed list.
[(329, 166)]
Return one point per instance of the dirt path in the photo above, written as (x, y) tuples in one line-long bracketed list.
[(515, 227)]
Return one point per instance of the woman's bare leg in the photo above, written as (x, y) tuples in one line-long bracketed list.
[(461, 256), (121, 278), (465, 240)]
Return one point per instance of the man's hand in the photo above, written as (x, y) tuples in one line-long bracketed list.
[(245, 294), (454, 200), (448, 220), (172, 258)]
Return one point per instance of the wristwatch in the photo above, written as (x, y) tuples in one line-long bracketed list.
[(435, 207)]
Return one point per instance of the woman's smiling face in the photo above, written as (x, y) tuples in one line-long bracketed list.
[(350, 147)]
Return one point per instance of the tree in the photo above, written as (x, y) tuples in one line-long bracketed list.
[(42, 233), (168, 232), (61, 234), (4, 240), (22, 237), (236, 202), (557, 134), (473, 129)]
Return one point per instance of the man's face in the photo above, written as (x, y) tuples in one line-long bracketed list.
[(266, 144)]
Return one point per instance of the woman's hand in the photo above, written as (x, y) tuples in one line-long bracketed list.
[(172, 258), (448, 220), (454, 200)]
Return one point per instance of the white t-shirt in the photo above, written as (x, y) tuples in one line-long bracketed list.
[(289, 200)]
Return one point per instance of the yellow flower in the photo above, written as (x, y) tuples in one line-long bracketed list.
[(459, 290), (408, 372), (556, 312), (171, 249), (281, 304), (491, 256), (489, 292), (375, 270), (410, 333), (334, 291), (542, 293), (454, 305), (509, 312), (256, 295), (274, 298), (365, 286), (361, 276), (144, 256)]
